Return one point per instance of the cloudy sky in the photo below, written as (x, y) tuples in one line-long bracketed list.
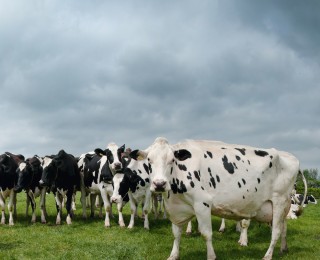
[(80, 74)]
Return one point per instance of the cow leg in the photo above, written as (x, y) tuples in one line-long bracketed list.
[(11, 206), (121, 221), (146, 209), (205, 227), (70, 196), (43, 205), (83, 201), (92, 204), (177, 231), (27, 205), (222, 226), (74, 205), (30, 195), (59, 200), (107, 208), (133, 208), (245, 223), (15, 205), (277, 226), (189, 228), (284, 246), (3, 205), (155, 206)]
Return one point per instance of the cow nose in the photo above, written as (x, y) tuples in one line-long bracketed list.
[(159, 185), (117, 166)]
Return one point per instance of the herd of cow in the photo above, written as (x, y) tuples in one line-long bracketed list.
[(195, 178)]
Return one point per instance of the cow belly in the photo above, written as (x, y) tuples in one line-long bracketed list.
[(262, 213)]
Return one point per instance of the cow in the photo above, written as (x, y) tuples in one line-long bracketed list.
[(232, 181), (29, 175), (311, 199), (62, 176), (97, 170), (133, 181), (303, 199), (8, 178)]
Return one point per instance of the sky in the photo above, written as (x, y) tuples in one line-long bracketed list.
[(77, 75)]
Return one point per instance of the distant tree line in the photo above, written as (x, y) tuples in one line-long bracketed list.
[(313, 180)]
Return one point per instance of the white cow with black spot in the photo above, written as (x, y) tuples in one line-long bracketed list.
[(232, 181)]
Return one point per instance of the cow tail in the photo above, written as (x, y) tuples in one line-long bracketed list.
[(299, 212)]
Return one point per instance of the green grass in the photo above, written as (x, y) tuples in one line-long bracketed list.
[(89, 239)]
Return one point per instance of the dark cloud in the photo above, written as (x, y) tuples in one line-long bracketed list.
[(81, 74)]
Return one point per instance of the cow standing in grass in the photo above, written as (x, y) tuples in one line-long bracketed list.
[(238, 182), (8, 179), (29, 175), (62, 176), (134, 181), (97, 170)]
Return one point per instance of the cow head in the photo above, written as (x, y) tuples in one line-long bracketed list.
[(25, 175), (113, 154), (27, 172), (160, 158), (49, 173)]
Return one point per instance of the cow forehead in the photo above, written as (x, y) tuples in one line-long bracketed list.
[(161, 152), (113, 148), (46, 161), (22, 166)]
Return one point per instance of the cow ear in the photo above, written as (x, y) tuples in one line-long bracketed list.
[(138, 155), (182, 154), (99, 152), (122, 148)]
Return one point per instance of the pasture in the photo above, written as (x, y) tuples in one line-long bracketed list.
[(89, 239)]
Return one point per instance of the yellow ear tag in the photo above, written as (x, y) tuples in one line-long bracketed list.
[(140, 157)]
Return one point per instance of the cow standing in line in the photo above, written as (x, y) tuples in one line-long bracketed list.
[(8, 179), (97, 170), (232, 181), (62, 176), (134, 181), (29, 175)]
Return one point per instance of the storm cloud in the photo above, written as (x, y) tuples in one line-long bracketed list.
[(80, 74)]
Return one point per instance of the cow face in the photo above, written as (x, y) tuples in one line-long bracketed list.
[(160, 157), (49, 173), (121, 187), (25, 175), (113, 154)]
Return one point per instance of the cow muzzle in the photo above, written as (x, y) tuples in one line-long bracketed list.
[(159, 185)]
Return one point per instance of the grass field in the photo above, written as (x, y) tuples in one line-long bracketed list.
[(88, 239)]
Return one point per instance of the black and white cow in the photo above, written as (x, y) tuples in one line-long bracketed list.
[(62, 176), (8, 179), (206, 177), (311, 199), (97, 170), (29, 175), (133, 181)]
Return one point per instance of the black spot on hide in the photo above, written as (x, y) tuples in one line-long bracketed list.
[(260, 153), (207, 205), (244, 181), (210, 154), (192, 184), (197, 175), (238, 158), (239, 184), (258, 180), (182, 167), (218, 178), (228, 166), (241, 150), (270, 164)]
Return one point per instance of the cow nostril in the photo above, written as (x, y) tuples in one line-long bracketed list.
[(159, 185)]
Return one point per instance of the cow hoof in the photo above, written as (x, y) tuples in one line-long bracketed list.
[(188, 233)]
